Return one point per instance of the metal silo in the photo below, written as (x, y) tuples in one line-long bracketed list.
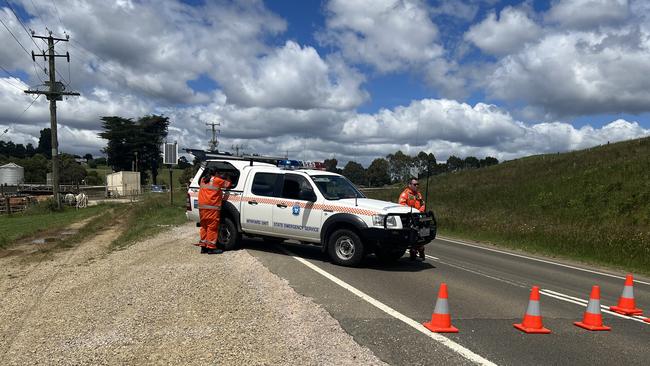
[(12, 174)]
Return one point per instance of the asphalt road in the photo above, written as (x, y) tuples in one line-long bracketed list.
[(382, 306)]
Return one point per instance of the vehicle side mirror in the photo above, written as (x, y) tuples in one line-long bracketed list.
[(307, 195)]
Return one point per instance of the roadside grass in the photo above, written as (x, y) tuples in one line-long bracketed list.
[(39, 219), (591, 205), (152, 214)]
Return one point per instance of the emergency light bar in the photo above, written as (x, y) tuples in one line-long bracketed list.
[(298, 164)]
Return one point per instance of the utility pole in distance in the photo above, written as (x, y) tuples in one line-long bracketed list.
[(55, 92), (214, 142)]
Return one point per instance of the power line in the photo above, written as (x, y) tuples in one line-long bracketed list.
[(28, 35), (30, 104), (21, 23), (12, 34), (37, 12), (56, 10)]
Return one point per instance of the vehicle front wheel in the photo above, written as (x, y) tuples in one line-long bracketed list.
[(345, 248), (389, 255), (228, 235)]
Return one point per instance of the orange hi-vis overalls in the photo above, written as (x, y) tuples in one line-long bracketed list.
[(412, 199), (210, 197)]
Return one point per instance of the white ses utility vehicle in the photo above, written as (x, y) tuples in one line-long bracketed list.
[(312, 207)]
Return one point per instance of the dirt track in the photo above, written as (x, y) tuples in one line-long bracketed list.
[(160, 302)]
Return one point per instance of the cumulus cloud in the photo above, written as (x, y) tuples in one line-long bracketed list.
[(504, 35), (112, 48), (389, 34), (296, 77), (583, 14), (579, 73)]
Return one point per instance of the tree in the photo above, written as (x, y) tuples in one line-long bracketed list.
[(471, 162), (330, 165), (35, 168), (45, 143), (425, 163), (93, 179), (454, 163), (355, 172), (88, 157), (128, 139), (29, 150), (399, 166), (377, 173), (489, 161), (71, 171)]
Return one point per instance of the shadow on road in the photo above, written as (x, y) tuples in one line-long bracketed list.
[(314, 253)]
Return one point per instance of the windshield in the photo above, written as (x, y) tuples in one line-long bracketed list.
[(336, 187)]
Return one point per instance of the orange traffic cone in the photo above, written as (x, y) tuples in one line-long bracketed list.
[(532, 322), (440, 319), (593, 319), (626, 304)]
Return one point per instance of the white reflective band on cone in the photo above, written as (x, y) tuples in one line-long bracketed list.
[(442, 307), (533, 308)]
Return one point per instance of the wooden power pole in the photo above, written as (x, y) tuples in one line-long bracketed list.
[(55, 92)]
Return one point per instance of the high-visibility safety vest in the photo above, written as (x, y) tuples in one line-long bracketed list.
[(211, 194), (412, 199)]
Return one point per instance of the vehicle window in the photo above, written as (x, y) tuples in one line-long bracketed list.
[(293, 185), (336, 187), (226, 167), (264, 184)]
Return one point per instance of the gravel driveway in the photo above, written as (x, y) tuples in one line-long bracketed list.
[(160, 302)]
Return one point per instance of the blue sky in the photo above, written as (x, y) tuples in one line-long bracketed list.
[(354, 80)]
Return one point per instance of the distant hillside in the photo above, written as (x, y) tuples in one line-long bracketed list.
[(592, 204)]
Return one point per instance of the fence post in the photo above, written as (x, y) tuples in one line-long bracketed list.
[(8, 205)]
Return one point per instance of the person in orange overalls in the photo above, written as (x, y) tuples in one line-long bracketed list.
[(210, 197), (413, 198)]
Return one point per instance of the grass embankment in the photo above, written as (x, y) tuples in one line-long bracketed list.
[(592, 205), (151, 215)]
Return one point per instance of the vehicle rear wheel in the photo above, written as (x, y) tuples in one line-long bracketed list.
[(389, 255), (228, 236), (345, 248)]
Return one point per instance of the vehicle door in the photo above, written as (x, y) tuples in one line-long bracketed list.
[(295, 216), (258, 203)]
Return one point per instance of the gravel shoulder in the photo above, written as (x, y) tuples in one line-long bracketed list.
[(160, 302)]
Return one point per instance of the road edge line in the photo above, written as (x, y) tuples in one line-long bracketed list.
[(459, 349)]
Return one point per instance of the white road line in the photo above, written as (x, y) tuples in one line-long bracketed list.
[(466, 353), (536, 259), (581, 302), (432, 257)]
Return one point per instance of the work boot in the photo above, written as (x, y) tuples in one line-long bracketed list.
[(204, 250), (421, 252), (412, 255), (215, 251)]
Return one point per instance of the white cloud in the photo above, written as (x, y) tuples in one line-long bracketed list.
[(583, 14), (579, 73), (389, 34), (504, 35), (296, 77)]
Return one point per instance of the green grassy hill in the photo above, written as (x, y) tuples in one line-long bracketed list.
[(592, 205)]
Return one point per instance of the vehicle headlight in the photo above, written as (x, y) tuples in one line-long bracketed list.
[(378, 220)]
